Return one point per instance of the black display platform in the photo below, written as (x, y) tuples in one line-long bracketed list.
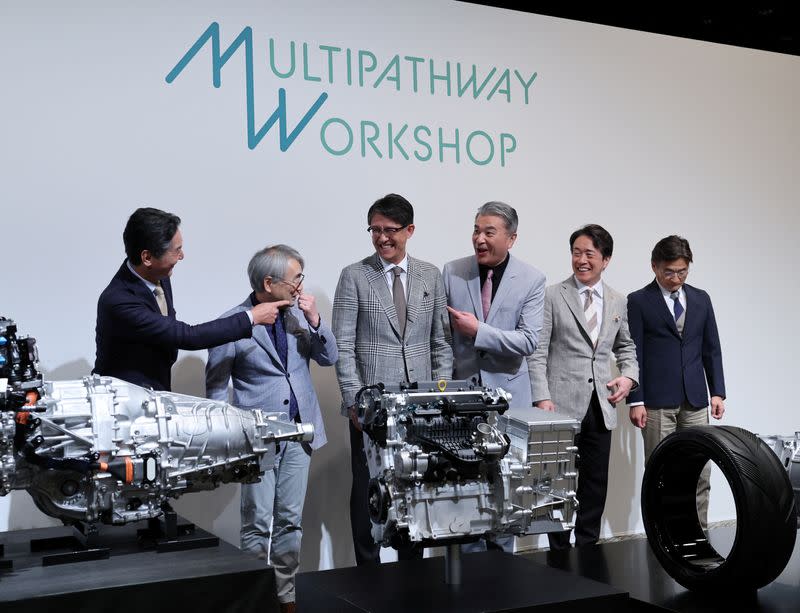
[(491, 581), (631, 566), (218, 578)]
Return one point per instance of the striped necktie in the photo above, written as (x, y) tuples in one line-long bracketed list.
[(161, 299), (590, 314), (677, 307)]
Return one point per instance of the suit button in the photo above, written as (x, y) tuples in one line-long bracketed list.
[(482, 354), (590, 380), (286, 401), (287, 375)]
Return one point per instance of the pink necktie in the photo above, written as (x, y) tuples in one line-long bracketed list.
[(486, 294)]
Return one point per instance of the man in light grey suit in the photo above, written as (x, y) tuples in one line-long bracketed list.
[(391, 326), (270, 371), (495, 326), (495, 303), (585, 321)]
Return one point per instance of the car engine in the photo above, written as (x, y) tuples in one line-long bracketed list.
[(103, 450), (787, 448), (450, 462)]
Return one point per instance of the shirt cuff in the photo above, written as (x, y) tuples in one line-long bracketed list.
[(250, 316)]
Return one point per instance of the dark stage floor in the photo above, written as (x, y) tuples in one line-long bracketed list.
[(630, 566), (622, 576), (134, 577)]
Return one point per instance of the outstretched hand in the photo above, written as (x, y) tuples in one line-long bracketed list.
[(267, 312)]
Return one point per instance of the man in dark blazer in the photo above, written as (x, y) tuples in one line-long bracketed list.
[(678, 349), (585, 324), (137, 334), (391, 325)]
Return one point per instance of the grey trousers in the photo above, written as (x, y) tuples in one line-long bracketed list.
[(664, 421), (271, 515)]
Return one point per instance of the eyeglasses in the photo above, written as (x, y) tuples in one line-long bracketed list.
[(681, 274), (377, 230), (296, 284)]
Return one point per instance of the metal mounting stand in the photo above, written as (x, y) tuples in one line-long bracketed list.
[(169, 535), (452, 564)]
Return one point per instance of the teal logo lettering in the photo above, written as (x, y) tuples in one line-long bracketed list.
[(218, 60)]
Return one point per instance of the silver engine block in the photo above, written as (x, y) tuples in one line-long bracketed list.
[(447, 465), (787, 448), (101, 449)]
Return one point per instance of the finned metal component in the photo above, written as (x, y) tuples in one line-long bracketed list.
[(449, 463)]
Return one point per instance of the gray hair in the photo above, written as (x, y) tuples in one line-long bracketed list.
[(271, 262), (502, 210)]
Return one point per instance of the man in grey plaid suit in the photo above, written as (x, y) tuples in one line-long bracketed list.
[(391, 326)]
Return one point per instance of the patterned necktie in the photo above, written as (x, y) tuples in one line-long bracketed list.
[(677, 307), (161, 299), (281, 346), (486, 294), (590, 313), (399, 297)]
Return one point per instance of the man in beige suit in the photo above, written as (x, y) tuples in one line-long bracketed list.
[(585, 321)]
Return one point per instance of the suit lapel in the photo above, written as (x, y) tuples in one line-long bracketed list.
[(417, 291), (569, 292), (294, 330), (375, 277), (610, 311), (136, 285), (505, 287), (166, 285), (660, 306), (262, 337), (474, 288), (693, 308)]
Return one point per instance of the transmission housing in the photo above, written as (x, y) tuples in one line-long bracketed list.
[(100, 449)]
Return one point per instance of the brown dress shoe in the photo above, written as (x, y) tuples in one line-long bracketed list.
[(288, 607)]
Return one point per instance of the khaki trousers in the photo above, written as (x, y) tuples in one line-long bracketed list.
[(662, 422)]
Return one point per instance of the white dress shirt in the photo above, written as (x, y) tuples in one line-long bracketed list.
[(388, 267)]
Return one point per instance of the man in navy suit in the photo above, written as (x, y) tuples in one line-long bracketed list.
[(270, 371), (137, 334), (678, 349)]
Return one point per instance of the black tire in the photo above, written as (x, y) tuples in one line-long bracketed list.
[(766, 515)]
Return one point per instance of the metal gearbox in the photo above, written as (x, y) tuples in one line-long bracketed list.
[(103, 450), (449, 462)]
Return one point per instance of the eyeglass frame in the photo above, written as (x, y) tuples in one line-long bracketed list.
[(391, 231), (294, 286), (681, 274)]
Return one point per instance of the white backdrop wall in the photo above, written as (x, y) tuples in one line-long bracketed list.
[(647, 135)]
